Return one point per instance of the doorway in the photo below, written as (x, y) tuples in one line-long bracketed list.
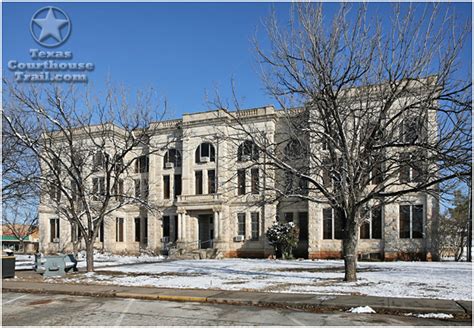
[(206, 230)]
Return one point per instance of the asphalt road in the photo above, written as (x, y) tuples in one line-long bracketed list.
[(51, 310)]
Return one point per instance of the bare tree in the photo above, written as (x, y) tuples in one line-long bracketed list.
[(87, 147), (370, 114)]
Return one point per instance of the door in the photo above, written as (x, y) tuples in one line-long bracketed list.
[(205, 231)]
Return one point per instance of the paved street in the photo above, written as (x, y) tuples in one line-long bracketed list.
[(35, 309)]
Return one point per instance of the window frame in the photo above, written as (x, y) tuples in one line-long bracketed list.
[(199, 152), (166, 186), (255, 226), (176, 158), (241, 182), (198, 182), (119, 230), (411, 212), (54, 230), (241, 224)]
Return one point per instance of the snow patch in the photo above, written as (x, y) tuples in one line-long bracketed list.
[(430, 315), (361, 309)]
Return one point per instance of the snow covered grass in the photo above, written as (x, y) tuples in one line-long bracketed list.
[(26, 262), (442, 280)]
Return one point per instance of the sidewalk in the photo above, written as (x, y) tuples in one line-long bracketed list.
[(303, 301)]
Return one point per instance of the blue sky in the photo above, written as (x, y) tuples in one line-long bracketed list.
[(180, 49)]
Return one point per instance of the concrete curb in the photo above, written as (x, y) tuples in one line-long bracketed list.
[(307, 302)]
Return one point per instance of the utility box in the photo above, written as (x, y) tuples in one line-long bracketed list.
[(8, 266), (51, 265)]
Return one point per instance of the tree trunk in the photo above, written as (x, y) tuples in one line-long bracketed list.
[(90, 256), (22, 246), (349, 248)]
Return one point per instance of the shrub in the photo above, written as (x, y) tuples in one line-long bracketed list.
[(283, 237)]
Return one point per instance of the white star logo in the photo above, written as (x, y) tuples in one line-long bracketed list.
[(51, 27)]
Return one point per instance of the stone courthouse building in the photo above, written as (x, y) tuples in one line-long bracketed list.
[(208, 197)]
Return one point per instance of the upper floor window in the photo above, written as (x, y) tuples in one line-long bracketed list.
[(205, 153), (411, 168), (99, 160), (295, 149), (172, 159), (412, 130), (142, 164), (98, 187), (247, 151)]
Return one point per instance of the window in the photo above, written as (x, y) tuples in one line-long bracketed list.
[(411, 168), (241, 224), (295, 149), (303, 186), (118, 190), (303, 225), (73, 190), (211, 181), (166, 226), (137, 187), (54, 192), (101, 231), (332, 224), (198, 182), (98, 161), (145, 188), (247, 151), (145, 230), (289, 216), (54, 230), (98, 187), (172, 159), (255, 180), (241, 182), (137, 229), (177, 185), (205, 153), (118, 166), (412, 129), (411, 221), (142, 164), (166, 187), (255, 217), (376, 172), (119, 230), (326, 174), (371, 228), (289, 178), (75, 232)]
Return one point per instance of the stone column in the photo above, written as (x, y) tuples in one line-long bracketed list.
[(216, 226), (180, 226)]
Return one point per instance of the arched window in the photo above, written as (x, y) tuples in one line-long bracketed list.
[(100, 159), (295, 149), (247, 151), (205, 152), (172, 159)]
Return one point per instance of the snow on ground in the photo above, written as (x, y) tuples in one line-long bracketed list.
[(361, 309), (431, 315), (26, 262), (443, 280)]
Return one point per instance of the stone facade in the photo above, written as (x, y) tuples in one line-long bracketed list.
[(195, 213)]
